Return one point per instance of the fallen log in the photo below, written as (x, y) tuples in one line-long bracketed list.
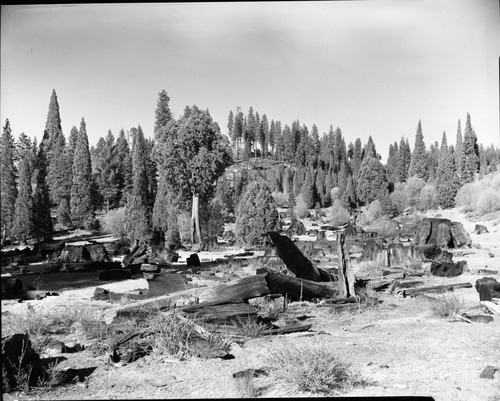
[(295, 260), (292, 328), (240, 290), (222, 313), (483, 271), (492, 307), (298, 289), (435, 289)]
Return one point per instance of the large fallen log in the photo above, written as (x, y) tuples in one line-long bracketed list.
[(295, 260), (243, 289), (435, 289), (223, 313), (298, 289)]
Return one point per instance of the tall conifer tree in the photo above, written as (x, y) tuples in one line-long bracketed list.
[(8, 181), (82, 211), (418, 164), (470, 154), (24, 202), (447, 179), (41, 219)]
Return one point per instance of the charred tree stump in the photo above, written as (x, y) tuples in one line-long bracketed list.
[(296, 262), (488, 288)]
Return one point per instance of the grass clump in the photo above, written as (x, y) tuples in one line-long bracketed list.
[(246, 385), (252, 327), (448, 306), (313, 369)]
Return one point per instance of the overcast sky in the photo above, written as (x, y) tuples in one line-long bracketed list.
[(369, 67)]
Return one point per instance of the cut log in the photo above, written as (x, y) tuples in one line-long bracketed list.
[(346, 274), (435, 289), (299, 289), (136, 252), (483, 271), (295, 260)]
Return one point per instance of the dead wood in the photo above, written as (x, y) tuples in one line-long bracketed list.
[(223, 313), (346, 275), (435, 289), (299, 289), (295, 260), (292, 328)]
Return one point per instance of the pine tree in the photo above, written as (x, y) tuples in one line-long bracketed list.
[(137, 213), (8, 181), (264, 135), (22, 146), (41, 219), (308, 190), (372, 178), (124, 164), (24, 202), (82, 211), (404, 159), (392, 163), (256, 215), (447, 180), (61, 178), (357, 158), (470, 154), (418, 164), (458, 150), (370, 150)]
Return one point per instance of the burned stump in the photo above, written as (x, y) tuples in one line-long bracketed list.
[(488, 288), (447, 269)]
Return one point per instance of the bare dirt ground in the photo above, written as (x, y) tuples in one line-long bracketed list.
[(399, 346)]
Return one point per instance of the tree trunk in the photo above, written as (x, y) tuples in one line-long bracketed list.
[(195, 221), (346, 275)]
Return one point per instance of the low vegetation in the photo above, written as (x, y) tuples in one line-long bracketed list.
[(312, 368), (448, 306)]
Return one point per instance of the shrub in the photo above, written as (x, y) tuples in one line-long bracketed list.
[(466, 197), (312, 368), (448, 305), (399, 198), (334, 194), (300, 208), (252, 327), (488, 201), (113, 222), (428, 198), (413, 188), (375, 210), (338, 214), (280, 198), (256, 214)]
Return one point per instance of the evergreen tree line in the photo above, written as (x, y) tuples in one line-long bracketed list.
[(313, 166)]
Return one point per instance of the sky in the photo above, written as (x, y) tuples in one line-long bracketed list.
[(370, 67)]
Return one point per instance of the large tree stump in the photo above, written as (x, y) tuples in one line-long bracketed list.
[(295, 260), (488, 288), (460, 236)]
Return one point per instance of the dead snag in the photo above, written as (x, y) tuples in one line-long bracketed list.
[(346, 275)]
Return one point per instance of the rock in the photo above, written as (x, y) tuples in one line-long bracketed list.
[(488, 288), (480, 229), (446, 269), (114, 274), (193, 260), (17, 353), (488, 372)]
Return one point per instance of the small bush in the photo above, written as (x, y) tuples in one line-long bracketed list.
[(280, 198), (335, 194), (300, 208), (428, 198), (399, 198), (312, 368), (413, 188), (466, 198), (113, 222), (246, 385), (488, 201), (338, 214), (448, 305), (252, 327)]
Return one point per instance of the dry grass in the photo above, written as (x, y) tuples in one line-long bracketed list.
[(246, 385), (251, 327), (312, 368), (448, 306)]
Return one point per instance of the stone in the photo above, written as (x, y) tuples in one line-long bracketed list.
[(447, 269), (488, 372), (101, 294), (480, 229)]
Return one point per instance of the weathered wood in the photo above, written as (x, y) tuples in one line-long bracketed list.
[(295, 260), (222, 313), (136, 252), (492, 307), (291, 328), (480, 229), (447, 269), (435, 289), (340, 301), (484, 271), (299, 289), (460, 236), (243, 289), (346, 274)]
